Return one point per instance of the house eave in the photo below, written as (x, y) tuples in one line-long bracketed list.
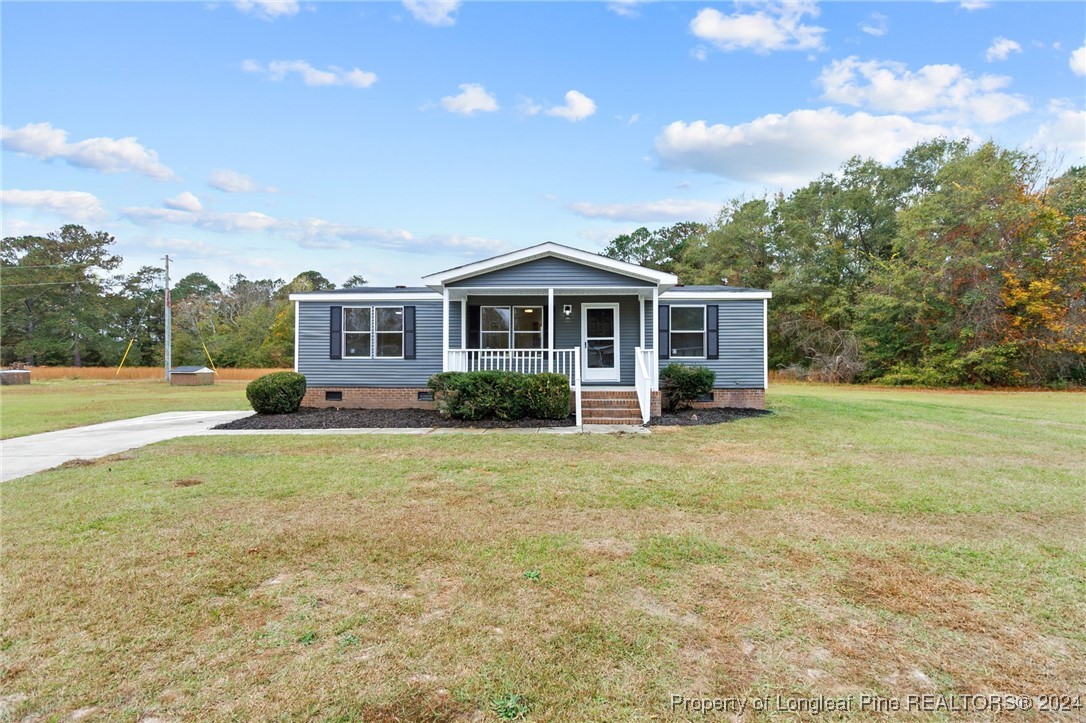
[(439, 280)]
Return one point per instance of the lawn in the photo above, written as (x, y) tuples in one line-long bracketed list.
[(859, 541), (44, 406)]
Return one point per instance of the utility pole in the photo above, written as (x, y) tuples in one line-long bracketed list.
[(169, 353)]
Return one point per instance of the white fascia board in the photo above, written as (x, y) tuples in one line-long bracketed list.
[(459, 292), (365, 297), (543, 250), (714, 295)]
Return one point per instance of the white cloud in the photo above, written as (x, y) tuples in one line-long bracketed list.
[(775, 26), (278, 69), (974, 5), (433, 12), (473, 98), (314, 233), (184, 201), (528, 107), (669, 209), (699, 53), (578, 107), (109, 155), (875, 24), (942, 92), (790, 149), (71, 205), (1001, 49), (234, 182), (1064, 136), (1078, 61), (626, 8), (268, 9)]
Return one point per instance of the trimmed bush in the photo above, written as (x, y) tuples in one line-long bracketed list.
[(681, 384), (501, 395), (276, 393)]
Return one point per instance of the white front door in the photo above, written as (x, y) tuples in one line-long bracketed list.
[(599, 347)]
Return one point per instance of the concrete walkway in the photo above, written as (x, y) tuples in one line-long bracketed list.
[(22, 456)]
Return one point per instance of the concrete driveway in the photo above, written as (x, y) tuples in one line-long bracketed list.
[(21, 456)]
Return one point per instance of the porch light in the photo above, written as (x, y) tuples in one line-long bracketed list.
[(567, 309)]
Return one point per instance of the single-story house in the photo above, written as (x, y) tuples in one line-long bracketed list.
[(608, 325)]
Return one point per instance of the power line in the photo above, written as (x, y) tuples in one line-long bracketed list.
[(44, 266), (46, 283)]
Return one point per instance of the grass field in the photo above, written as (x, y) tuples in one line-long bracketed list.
[(44, 406), (857, 541)]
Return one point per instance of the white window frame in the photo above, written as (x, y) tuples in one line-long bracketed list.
[(372, 332), (703, 332), (343, 333), (511, 338), (376, 332)]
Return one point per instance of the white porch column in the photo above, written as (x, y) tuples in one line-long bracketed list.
[(445, 329), (656, 338), (550, 330)]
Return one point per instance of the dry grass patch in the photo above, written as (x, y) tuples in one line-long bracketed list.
[(458, 577)]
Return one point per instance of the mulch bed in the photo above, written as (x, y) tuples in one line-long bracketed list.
[(311, 418), (714, 415)]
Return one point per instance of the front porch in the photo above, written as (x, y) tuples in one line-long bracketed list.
[(599, 338)]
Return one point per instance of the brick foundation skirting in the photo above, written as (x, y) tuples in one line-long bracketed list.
[(743, 398), (367, 398)]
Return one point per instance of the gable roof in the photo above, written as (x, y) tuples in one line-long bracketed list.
[(438, 280), (191, 370)]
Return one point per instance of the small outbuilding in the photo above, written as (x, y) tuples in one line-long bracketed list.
[(14, 376), (191, 376)]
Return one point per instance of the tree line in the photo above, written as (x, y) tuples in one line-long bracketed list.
[(62, 306), (959, 264)]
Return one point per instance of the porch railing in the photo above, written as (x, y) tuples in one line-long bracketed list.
[(644, 360), (526, 361)]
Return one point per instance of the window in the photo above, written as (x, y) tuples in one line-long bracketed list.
[(356, 331), (389, 331), (688, 331), (511, 327), (373, 332)]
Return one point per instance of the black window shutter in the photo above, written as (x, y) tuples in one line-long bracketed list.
[(335, 332), (408, 332), (712, 331), (474, 322), (663, 325)]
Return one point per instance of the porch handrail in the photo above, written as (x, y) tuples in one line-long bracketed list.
[(643, 381)]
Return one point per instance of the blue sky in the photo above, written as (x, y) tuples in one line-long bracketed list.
[(397, 139)]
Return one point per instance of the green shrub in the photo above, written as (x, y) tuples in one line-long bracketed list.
[(681, 384), (277, 393), (501, 395)]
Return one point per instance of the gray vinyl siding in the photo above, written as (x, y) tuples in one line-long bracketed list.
[(320, 371), (456, 313), (549, 272), (741, 362), (567, 331)]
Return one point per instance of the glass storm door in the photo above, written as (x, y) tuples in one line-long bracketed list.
[(599, 329)]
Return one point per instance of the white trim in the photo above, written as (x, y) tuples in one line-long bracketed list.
[(656, 338), (444, 331), (372, 332), (617, 375), (704, 331), (544, 250), (364, 297), (296, 327), (765, 344), (460, 291), (343, 333), (550, 328), (679, 295)]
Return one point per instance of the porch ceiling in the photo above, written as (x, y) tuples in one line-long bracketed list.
[(461, 293)]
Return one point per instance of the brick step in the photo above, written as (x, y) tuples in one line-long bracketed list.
[(624, 413), (629, 421), (608, 395), (610, 404)]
